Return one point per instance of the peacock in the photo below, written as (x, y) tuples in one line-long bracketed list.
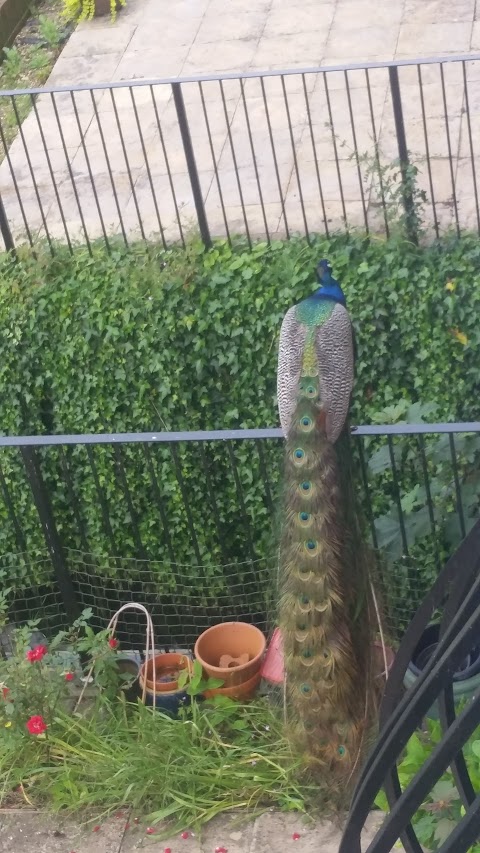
[(325, 609)]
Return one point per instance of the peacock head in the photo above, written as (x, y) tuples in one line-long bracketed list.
[(329, 287), (324, 271)]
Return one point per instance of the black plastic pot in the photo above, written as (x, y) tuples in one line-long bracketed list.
[(469, 667)]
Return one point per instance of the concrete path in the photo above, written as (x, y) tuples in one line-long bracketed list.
[(24, 832), (144, 189)]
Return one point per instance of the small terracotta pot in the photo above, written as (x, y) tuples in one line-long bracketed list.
[(163, 665), (231, 651), (242, 692)]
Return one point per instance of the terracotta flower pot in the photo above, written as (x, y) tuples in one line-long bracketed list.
[(167, 666), (231, 651), (242, 692)]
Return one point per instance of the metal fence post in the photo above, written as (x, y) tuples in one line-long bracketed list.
[(5, 229), (52, 539), (408, 200), (191, 163)]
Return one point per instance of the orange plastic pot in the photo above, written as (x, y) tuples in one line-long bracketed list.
[(242, 692), (231, 651), (166, 665)]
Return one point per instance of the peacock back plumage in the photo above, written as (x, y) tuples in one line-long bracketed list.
[(326, 635)]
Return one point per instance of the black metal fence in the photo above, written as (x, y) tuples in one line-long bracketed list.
[(258, 154), (456, 596), (186, 522)]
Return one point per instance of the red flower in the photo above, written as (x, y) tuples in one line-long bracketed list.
[(5, 692), (96, 828), (36, 654), (167, 850), (36, 725), (150, 830), (113, 643), (296, 836), (185, 835), (69, 676), (221, 850)]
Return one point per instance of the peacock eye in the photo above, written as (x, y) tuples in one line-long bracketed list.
[(299, 453)]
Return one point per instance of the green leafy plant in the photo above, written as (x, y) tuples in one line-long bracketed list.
[(49, 31), (186, 339), (442, 809), (12, 64), (82, 10), (194, 683)]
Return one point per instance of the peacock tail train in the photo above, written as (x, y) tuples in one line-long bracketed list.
[(324, 611)]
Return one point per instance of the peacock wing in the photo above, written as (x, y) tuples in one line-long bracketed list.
[(290, 354), (334, 349)]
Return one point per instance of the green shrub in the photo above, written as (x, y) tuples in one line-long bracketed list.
[(144, 339)]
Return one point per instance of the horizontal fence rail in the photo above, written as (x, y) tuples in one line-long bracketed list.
[(258, 154), (187, 521)]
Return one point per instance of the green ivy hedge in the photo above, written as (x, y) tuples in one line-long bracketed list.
[(145, 339)]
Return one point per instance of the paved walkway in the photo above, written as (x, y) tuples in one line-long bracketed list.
[(272, 832), (144, 187)]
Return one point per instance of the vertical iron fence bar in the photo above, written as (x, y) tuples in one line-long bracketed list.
[(52, 539), (366, 488), (427, 150), (167, 166), (186, 502), (21, 541), (431, 515), (449, 146), (70, 172), (214, 161), (241, 502), (355, 149), (274, 155), (408, 200), (235, 165), (377, 155), (147, 164), (314, 149), (191, 163), (15, 184), (90, 173), (470, 140), (398, 500), (213, 501), (73, 499), (458, 493), (32, 174), (110, 173), (295, 160), (255, 164), (266, 482), (127, 163), (101, 499), (159, 500), (122, 478), (335, 149), (52, 174), (5, 229)]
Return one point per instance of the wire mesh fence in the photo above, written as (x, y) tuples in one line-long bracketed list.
[(258, 154), (187, 523)]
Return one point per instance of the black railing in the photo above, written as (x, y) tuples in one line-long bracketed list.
[(456, 596), (187, 521), (258, 154)]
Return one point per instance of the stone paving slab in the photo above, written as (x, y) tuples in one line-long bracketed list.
[(273, 832), (120, 157), (32, 832)]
